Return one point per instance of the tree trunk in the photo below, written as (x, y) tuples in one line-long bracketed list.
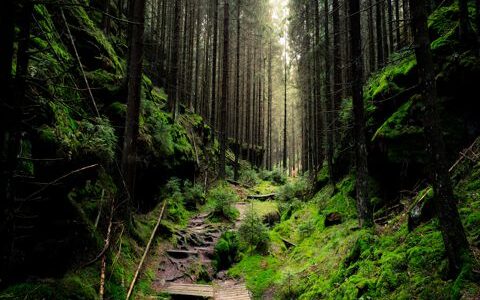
[(337, 72), (237, 97), (225, 81), (285, 166), (380, 48), (456, 244), (329, 100), (363, 204), (270, 100), (173, 78), (371, 37), (397, 24), (390, 26), (135, 64), (213, 108), (465, 27)]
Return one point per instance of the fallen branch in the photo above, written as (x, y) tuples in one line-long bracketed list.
[(288, 243), (262, 197), (80, 64), (134, 280), (59, 179)]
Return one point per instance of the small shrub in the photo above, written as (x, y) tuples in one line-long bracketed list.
[(176, 202), (193, 194), (293, 190), (229, 172), (276, 176), (286, 209), (253, 233), (226, 250), (221, 200), (249, 177)]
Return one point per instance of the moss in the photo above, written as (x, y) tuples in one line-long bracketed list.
[(87, 25), (78, 285), (397, 124), (260, 272), (263, 208), (389, 80)]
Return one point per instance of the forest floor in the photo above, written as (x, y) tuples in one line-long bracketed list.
[(186, 265)]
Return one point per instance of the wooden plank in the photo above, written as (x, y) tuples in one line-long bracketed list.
[(185, 289)]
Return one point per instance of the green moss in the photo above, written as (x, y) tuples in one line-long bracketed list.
[(388, 81), (260, 272), (87, 25), (397, 124)]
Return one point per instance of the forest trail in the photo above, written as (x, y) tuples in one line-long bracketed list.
[(180, 269)]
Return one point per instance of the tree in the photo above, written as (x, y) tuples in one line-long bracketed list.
[(371, 37), (237, 97), (365, 213), (465, 29), (213, 109), (225, 80), (379, 26), (456, 244), (174, 49), (135, 69), (285, 166), (337, 71), (329, 99)]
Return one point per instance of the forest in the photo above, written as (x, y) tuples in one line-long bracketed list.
[(239, 149)]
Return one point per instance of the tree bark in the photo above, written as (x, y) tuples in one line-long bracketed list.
[(213, 108), (285, 166), (371, 37), (174, 50), (456, 244), (237, 97), (465, 27), (337, 72), (379, 26), (365, 213), (225, 81), (329, 99), (135, 67)]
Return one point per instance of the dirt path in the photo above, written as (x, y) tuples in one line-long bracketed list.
[(190, 261)]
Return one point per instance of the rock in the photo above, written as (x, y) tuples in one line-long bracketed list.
[(333, 219), (222, 275), (271, 218), (420, 213)]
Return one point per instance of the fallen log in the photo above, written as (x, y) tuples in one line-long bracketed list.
[(287, 243), (262, 197), (134, 280)]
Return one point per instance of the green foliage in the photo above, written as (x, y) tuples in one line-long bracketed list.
[(176, 210), (387, 82), (107, 53), (80, 138), (166, 141), (295, 189), (253, 233), (276, 176), (397, 124), (194, 195), (221, 199), (249, 177), (78, 285), (227, 250)]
